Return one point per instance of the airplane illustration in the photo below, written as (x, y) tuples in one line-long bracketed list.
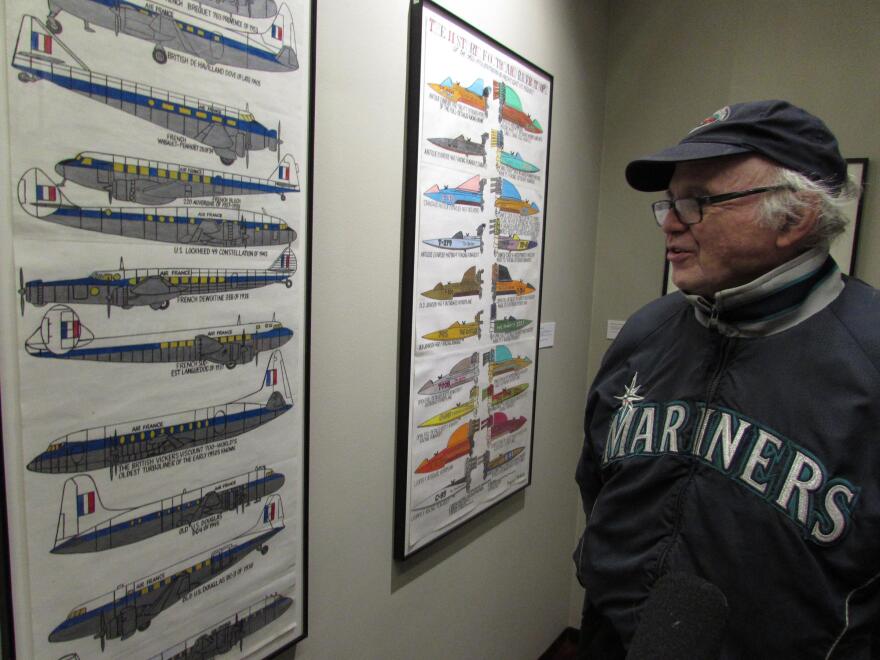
[(114, 444), (249, 8), (467, 193), (501, 361), (465, 370), (459, 241), (509, 199), (85, 525), (507, 324), (62, 335), (511, 109), (461, 443), (471, 284), (511, 159), (511, 243), (508, 393), (501, 460), (501, 425), (41, 198), (456, 412), (173, 29), (475, 95), (225, 635), (232, 133), (503, 285), (462, 145), (153, 182), (156, 287), (459, 330), (131, 608)]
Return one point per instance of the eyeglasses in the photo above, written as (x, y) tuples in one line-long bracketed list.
[(690, 209)]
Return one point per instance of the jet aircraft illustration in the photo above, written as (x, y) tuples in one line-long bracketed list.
[(465, 370), (507, 324), (511, 109), (41, 198), (501, 460), (232, 133), (153, 182), (511, 243), (249, 8), (63, 336), (114, 444), (132, 607), (459, 241), (509, 199), (156, 287), (501, 425), (471, 284), (511, 159), (456, 412), (501, 361), (85, 525), (459, 330), (461, 443), (503, 285), (508, 393), (467, 193), (223, 636), (463, 145), (475, 95)]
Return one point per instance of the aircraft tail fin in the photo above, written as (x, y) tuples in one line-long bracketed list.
[(272, 515), (280, 34), (286, 172), (285, 262), (275, 386), (39, 195), (60, 332), (39, 51), (81, 508)]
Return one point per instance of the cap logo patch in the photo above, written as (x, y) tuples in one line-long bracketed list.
[(718, 115)]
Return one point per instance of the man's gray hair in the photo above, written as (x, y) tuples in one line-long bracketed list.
[(786, 206)]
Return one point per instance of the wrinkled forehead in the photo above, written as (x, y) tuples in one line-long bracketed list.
[(720, 175)]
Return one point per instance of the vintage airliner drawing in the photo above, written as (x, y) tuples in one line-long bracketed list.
[(231, 132), (42, 198), (115, 444), (508, 393), (131, 608), (86, 525), (62, 335), (249, 8), (168, 27)]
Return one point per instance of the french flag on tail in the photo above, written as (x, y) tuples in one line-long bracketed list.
[(85, 503), (271, 377), (284, 172), (70, 329), (269, 512), (42, 43), (277, 31), (47, 193)]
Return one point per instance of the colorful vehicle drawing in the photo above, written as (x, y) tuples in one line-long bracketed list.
[(154, 182), (465, 370), (63, 336), (511, 243), (41, 198), (117, 443), (471, 284), (511, 109), (507, 324), (131, 608), (502, 460), (459, 241), (504, 285), (501, 361), (511, 159), (467, 193), (459, 330), (156, 287), (456, 412), (85, 525), (173, 29), (501, 425), (461, 443), (476, 95), (509, 200), (508, 393), (463, 145), (232, 133)]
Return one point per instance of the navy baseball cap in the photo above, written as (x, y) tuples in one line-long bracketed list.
[(778, 130)]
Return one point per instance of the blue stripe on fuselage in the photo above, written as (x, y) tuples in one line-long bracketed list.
[(124, 281), (141, 216)]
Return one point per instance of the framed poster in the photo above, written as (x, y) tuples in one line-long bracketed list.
[(155, 390), (478, 139)]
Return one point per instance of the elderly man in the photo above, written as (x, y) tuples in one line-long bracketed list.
[(733, 430)]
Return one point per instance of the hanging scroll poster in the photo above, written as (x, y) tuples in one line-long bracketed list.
[(477, 151), (160, 225)]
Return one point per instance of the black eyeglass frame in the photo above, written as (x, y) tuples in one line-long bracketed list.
[(662, 206)]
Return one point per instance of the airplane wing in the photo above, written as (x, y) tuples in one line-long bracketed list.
[(153, 193), (214, 135), (153, 286), (208, 347)]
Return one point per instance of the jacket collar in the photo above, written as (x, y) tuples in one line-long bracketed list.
[(776, 301)]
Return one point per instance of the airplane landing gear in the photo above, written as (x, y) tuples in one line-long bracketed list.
[(226, 160), (160, 305), (264, 549), (26, 77), (159, 55), (288, 283), (53, 25)]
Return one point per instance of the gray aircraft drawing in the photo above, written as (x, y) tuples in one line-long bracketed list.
[(462, 145), (249, 8), (231, 132), (168, 27)]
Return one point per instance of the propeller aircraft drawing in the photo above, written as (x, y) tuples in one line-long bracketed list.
[(465, 370), (85, 525), (156, 287), (501, 361), (511, 159), (475, 95), (508, 393), (231, 132), (471, 284), (41, 198), (461, 443), (62, 335), (501, 425), (168, 27), (131, 608), (456, 412), (511, 243), (509, 199), (467, 193), (114, 444), (459, 330), (463, 145), (511, 109), (503, 285), (459, 241), (152, 182), (225, 635), (249, 8), (508, 323)]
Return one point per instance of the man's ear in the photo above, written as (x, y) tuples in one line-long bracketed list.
[(798, 228)]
